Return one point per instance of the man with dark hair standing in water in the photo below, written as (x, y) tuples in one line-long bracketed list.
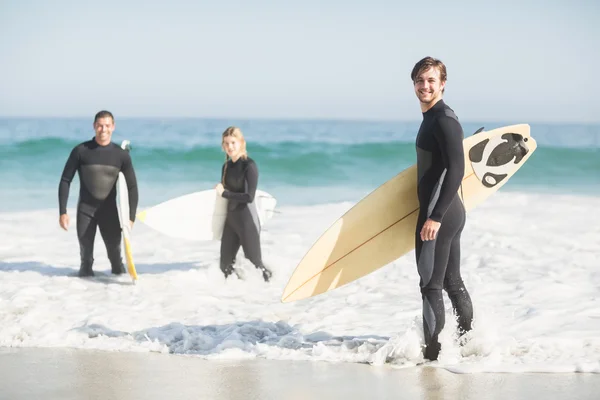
[(440, 166), (98, 162)]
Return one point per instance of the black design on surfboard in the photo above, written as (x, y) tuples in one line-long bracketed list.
[(495, 158), (476, 152)]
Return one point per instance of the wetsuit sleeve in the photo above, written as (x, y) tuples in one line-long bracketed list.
[(132, 189), (450, 139), (251, 183), (66, 178)]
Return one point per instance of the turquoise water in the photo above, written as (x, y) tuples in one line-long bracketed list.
[(300, 162)]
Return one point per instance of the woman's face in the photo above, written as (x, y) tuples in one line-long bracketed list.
[(232, 147)]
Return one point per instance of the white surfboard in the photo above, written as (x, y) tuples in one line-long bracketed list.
[(123, 207), (199, 216)]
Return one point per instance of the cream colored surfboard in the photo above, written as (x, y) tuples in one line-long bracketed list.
[(381, 227)]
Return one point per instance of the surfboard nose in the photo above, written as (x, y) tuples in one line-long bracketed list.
[(521, 148)]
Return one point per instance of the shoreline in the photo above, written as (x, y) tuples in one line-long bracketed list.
[(52, 373)]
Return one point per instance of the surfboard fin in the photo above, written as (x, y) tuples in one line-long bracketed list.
[(126, 145), (479, 130)]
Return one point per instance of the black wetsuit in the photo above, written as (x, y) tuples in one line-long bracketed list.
[(242, 226), (440, 164), (98, 168)]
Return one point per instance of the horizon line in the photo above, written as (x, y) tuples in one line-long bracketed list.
[(301, 119)]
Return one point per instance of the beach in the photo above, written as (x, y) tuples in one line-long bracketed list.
[(83, 374), (529, 259)]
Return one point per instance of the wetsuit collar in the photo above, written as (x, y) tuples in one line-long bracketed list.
[(98, 144), (437, 106)]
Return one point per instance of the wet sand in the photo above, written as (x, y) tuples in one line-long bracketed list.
[(36, 373)]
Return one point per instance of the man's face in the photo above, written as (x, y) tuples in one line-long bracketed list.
[(104, 128), (428, 86)]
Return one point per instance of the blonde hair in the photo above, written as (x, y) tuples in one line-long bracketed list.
[(236, 133)]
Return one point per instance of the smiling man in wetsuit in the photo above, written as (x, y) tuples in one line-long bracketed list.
[(98, 162), (440, 166)]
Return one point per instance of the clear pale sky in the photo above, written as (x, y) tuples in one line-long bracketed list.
[(529, 61)]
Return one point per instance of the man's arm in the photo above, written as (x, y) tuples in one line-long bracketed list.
[(132, 189), (71, 166), (450, 139)]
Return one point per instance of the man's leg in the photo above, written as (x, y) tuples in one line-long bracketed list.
[(110, 229), (432, 263), (455, 287), (86, 234)]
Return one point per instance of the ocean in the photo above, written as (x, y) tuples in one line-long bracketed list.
[(530, 253), (300, 162)]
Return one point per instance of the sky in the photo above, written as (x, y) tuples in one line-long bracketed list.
[(523, 61)]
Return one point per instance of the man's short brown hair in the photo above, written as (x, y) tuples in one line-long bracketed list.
[(426, 63), (103, 114)]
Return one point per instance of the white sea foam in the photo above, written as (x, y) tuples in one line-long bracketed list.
[(530, 263)]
